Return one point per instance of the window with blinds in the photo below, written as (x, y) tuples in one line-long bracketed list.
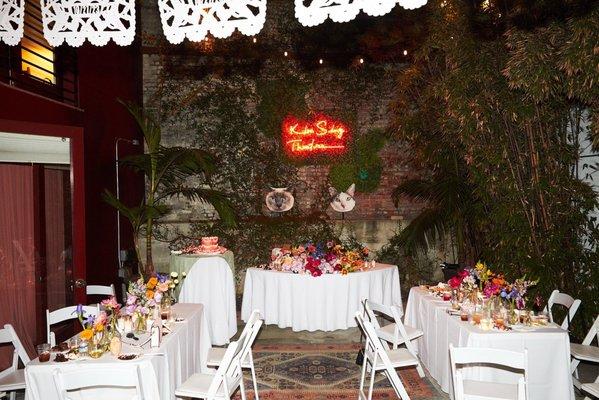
[(37, 56), (35, 66)]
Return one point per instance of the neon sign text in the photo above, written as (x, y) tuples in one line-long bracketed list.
[(322, 135)]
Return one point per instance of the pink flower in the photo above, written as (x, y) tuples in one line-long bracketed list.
[(102, 318), (455, 282), (110, 303)]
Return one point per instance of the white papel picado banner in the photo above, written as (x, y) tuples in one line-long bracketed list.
[(195, 18), (12, 13), (98, 21)]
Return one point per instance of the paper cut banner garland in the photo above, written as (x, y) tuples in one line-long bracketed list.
[(195, 18), (315, 12), (11, 21), (98, 21)]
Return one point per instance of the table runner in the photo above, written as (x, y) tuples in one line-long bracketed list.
[(182, 353), (548, 348), (328, 302)]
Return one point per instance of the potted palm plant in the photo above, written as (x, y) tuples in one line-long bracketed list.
[(167, 171)]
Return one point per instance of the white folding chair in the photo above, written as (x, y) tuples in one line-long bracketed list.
[(13, 378), (378, 358), (100, 290), (252, 326), (64, 314), (592, 389), (565, 300), (585, 351), (223, 383), (391, 332), (126, 376), (478, 390)]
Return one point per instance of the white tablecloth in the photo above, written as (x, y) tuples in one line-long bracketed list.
[(548, 349), (182, 353), (325, 303), (210, 282)]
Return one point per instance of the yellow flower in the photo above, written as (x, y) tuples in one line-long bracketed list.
[(150, 294), (152, 282), (86, 334), (99, 327)]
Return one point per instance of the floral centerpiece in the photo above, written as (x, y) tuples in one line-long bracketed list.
[(492, 285), (143, 297), (319, 258), (91, 324)]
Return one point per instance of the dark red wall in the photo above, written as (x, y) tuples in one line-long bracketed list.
[(105, 74)]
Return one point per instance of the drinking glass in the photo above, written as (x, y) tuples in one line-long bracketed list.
[(43, 351)]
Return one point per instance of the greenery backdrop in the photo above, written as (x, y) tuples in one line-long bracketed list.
[(496, 112)]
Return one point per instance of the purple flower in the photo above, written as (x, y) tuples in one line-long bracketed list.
[(130, 309), (131, 299)]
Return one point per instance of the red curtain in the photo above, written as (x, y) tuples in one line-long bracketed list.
[(17, 255)]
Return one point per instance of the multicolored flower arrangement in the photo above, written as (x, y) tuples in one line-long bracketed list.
[(319, 258), (143, 296), (91, 324), (492, 284)]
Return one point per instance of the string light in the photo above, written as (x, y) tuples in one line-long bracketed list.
[(321, 61), (285, 54), (361, 61), (254, 40), (405, 52)]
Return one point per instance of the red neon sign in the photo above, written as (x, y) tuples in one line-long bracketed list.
[(321, 136)]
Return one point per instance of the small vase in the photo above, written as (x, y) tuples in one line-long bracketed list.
[(513, 316), (141, 323)]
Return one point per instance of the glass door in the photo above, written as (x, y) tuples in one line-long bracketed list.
[(36, 235)]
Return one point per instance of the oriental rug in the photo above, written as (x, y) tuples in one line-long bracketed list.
[(323, 371)]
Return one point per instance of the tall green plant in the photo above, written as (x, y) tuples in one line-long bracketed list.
[(505, 106), (167, 171)]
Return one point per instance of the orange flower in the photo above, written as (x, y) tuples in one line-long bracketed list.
[(152, 282), (150, 294), (86, 334), (99, 327), (499, 281)]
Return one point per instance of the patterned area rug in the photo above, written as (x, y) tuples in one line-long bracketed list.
[(320, 371)]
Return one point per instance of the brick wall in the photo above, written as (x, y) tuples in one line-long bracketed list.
[(375, 217)]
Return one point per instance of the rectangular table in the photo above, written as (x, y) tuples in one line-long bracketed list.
[(182, 353), (548, 348), (326, 303)]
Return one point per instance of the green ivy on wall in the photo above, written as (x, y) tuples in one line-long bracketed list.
[(280, 96), (362, 165)]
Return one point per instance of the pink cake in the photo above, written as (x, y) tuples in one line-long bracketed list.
[(209, 244)]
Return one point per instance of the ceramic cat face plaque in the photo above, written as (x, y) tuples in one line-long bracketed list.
[(195, 18), (279, 200), (343, 202), (12, 13), (74, 21)]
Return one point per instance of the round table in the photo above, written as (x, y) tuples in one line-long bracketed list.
[(183, 262), (326, 303), (210, 282)]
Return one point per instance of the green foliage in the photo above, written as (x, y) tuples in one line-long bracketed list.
[(166, 170), (280, 96), (362, 165), (497, 123)]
